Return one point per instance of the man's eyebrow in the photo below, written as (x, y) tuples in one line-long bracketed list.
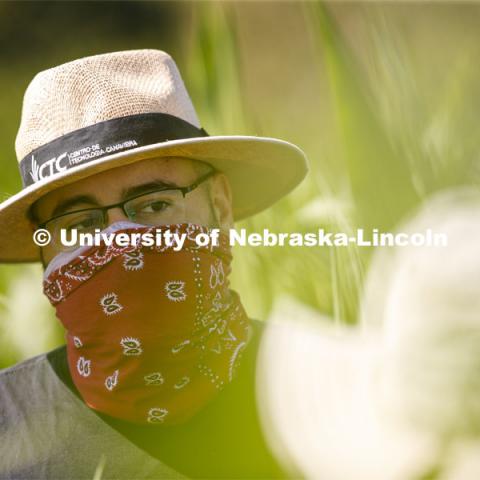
[(146, 187), (62, 207)]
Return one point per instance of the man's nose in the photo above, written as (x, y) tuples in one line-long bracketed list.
[(115, 215)]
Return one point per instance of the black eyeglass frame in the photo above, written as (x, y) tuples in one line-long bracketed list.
[(121, 204)]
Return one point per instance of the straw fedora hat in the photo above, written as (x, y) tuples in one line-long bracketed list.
[(109, 110)]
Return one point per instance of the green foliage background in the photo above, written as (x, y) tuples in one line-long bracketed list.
[(383, 97)]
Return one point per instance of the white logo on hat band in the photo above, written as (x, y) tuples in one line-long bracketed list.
[(58, 164), (53, 164)]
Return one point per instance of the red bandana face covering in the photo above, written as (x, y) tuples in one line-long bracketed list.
[(153, 334)]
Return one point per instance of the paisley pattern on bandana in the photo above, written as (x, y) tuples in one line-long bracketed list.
[(153, 334)]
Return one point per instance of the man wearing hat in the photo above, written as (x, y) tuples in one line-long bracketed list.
[(157, 377)]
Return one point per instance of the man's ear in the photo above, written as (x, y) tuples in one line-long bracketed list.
[(34, 226), (221, 200), (33, 222)]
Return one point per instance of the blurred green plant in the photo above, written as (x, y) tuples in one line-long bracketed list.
[(381, 127)]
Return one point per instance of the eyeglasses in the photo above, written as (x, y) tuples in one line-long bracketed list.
[(161, 206)]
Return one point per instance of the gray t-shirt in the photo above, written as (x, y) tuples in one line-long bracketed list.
[(72, 443)]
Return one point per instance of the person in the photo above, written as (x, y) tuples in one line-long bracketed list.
[(157, 377)]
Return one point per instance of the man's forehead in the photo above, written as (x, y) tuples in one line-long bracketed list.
[(124, 176), (112, 184)]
